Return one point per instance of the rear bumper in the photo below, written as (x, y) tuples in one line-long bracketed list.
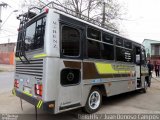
[(32, 100)]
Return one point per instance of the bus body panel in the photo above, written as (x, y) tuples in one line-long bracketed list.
[(51, 78), (69, 95), (52, 34), (28, 75)]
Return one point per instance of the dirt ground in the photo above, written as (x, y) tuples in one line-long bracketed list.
[(133, 103)]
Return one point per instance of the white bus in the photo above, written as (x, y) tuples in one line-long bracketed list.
[(65, 62)]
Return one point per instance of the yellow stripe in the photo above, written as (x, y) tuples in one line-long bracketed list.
[(39, 104), (28, 94), (104, 68), (17, 58), (14, 92), (39, 55)]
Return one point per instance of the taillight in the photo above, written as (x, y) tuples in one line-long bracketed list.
[(46, 10), (16, 83), (38, 89)]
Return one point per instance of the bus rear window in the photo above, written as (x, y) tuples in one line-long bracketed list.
[(34, 38)]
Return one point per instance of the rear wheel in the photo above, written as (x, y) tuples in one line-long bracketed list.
[(94, 101)]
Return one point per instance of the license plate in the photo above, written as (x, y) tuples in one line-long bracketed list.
[(27, 90)]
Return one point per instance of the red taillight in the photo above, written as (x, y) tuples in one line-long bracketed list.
[(16, 83), (46, 10), (38, 89)]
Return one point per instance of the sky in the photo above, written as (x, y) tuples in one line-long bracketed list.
[(10, 25), (142, 20)]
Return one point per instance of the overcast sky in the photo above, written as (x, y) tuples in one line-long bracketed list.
[(143, 20), (10, 25)]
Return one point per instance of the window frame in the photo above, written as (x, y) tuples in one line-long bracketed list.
[(125, 40), (114, 45), (122, 41), (124, 48), (80, 41), (106, 33), (42, 16), (87, 40), (143, 57), (93, 29), (130, 56), (102, 43)]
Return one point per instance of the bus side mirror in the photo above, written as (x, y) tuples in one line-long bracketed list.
[(138, 59)]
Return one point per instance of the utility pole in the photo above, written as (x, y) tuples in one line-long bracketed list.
[(103, 13), (2, 5)]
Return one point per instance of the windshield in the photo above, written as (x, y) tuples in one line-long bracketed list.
[(34, 38)]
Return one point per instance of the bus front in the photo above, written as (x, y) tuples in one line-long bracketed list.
[(34, 60)]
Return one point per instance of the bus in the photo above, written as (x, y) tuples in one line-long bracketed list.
[(64, 62)]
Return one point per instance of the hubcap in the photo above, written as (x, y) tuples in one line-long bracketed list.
[(94, 100)]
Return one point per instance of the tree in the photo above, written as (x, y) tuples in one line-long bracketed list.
[(106, 13), (25, 4), (111, 13), (82, 7)]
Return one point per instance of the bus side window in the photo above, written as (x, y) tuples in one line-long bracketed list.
[(70, 41), (93, 49), (93, 44), (107, 38), (107, 48), (143, 60), (137, 52), (93, 34), (107, 51)]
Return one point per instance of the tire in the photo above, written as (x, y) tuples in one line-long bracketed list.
[(144, 90), (94, 101)]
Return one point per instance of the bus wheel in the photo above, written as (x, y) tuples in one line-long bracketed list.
[(94, 101), (145, 87)]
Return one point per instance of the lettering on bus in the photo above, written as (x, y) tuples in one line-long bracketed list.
[(54, 34)]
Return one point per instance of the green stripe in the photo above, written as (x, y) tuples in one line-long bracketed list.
[(104, 68), (17, 58), (39, 104), (40, 56), (28, 94), (14, 92)]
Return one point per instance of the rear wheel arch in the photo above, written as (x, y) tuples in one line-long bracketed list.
[(99, 91), (101, 87)]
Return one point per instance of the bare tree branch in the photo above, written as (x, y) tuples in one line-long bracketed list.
[(92, 9)]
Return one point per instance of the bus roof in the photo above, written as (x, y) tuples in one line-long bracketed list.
[(84, 19), (91, 24)]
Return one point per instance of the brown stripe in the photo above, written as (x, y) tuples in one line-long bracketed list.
[(113, 75), (144, 74), (90, 71), (125, 75), (72, 64), (106, 75)]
